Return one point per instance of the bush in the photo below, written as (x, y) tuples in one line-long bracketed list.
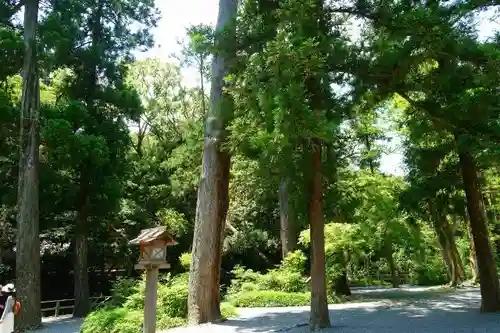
[(284, 286), (430, 274), (127, 316), (121, 290), (173, 300), (185, 260), (268, 298), (295, 262), (103, 320), (228, 310), (135, 301), (123, 320), (277, 279), (131, 323), (166, 322)]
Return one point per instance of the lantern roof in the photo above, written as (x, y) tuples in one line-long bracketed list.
[(153, 234)]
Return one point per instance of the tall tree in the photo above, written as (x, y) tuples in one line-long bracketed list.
[(196, 53), (28, 241), (427, 80), (490, 289), (97, 60), (287, 231), (213, 198)]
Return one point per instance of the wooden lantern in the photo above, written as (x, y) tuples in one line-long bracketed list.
[(153, 256), (153, 244)]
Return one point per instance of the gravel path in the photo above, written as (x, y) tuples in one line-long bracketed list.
[(63, 324), (407, 310)]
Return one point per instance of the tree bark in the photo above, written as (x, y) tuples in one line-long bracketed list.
[(490, 293), (80, 269), (319, 303), (287, 232), (213, 199), (28, 241), (446, 239), (202, 87), (489, 207), (392, 265), (472, 253), (341, 286), (458, 275)]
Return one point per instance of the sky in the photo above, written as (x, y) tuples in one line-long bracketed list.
[(177, 15)]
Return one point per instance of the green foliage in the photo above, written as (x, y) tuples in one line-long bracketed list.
[(124, 320), (175, 222), (122, 289), (185, 260), (269, 298), (127, 316), (283, 286), (342, 241), (173, 300), (276, 280), (294, 262)]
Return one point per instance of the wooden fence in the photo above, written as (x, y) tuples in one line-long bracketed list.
[(403, 278), (55, 308)]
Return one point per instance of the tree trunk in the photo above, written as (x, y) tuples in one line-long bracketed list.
[(341, 285), (319, 303), (28, 241), (446, 238), (458, 275), (213, 199), (472, 251), (287, 232), (490, 293), (457, 259), (80, 269), (489, 207), (392, 265), (202, 87)]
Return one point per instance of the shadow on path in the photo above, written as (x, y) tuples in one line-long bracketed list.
[(446, 313), (455, 311), (64, 324)]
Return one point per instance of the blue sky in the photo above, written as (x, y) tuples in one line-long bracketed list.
[(179, 14)]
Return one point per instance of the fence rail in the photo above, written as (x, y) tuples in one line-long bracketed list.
[(67, 306), (403, 278)]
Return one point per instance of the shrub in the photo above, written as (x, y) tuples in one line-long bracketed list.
[(121, 290), (295, 262), (430, 273), (290, 281), (123, 320), (268, 298), (185, 260), (277, 279), (179, 279), (173, 299), (166, 322), (128, 317), (228, 310), (131, 323), (135, 301), (103, 320)]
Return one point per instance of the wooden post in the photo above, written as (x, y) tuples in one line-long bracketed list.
[(153, 244), (57, 309), (150, 299)]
